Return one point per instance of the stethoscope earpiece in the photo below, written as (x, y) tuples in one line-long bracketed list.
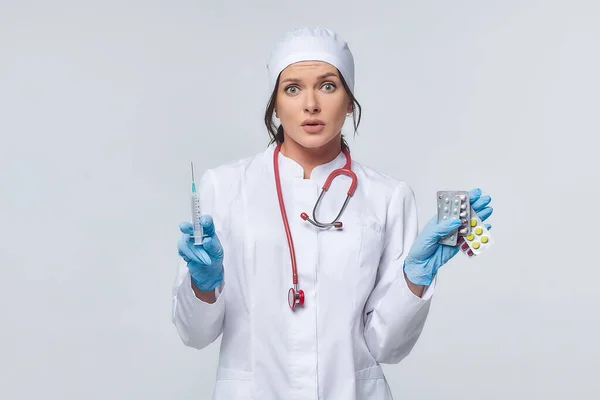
[(335, 224)]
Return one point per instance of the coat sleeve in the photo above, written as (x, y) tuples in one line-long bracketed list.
[(394, 316), (199, 323)]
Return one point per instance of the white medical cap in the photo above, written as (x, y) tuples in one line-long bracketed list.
[(307, 44)]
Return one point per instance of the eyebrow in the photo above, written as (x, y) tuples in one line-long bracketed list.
[(326, 75)]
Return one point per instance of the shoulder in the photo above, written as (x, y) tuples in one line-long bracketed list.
[(387, 198), (225, 177), (379, 183)]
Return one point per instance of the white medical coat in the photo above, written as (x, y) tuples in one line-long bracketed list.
[(358, 310)]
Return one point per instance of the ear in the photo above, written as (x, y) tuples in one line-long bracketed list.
[(350, 108), (277, 115)]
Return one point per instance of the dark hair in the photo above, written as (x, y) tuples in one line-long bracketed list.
[(276, 132)]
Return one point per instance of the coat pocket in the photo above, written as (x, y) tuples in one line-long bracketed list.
[(371, 384), (226, 374), (370, 251), (374, 372), (371, 243), (233, 385)]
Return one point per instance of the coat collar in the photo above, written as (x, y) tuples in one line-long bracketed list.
[(290, 169)]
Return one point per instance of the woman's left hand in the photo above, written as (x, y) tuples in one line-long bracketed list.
[(426, 255)]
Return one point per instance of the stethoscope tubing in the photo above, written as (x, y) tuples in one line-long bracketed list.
[(296, 296)]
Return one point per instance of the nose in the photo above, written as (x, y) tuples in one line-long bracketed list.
[(312, 109), (312, 105)]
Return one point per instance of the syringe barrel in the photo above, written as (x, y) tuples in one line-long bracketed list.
[(198, 231)]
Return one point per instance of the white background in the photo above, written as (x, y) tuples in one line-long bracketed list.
[(104, 103)]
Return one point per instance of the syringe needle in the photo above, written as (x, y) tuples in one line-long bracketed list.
[(192, 165)]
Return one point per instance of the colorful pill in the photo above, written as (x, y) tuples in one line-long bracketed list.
[(484, 239), (478, 230), (476, 245), (473, 222), (470, 237)]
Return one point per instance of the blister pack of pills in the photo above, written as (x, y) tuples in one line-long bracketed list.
[(478, 240), (454, 205)]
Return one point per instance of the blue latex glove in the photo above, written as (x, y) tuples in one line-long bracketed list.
[(205, 261), (426, 255)]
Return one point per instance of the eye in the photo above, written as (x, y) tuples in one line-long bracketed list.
[(291, 89), (329, 86)]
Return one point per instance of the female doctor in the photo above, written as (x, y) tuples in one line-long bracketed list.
[(308, 309)]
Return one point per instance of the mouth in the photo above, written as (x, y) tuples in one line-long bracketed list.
[(312, 122), (313, 126)]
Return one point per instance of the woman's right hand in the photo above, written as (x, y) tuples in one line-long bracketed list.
[(205, 261)]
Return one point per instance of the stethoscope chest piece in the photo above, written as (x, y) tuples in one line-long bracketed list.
[(295, 298)]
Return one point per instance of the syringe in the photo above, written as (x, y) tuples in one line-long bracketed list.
[(198, 231)]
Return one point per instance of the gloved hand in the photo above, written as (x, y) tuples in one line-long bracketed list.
[(426, 255), (205, 261)]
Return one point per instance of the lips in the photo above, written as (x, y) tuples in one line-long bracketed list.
[(312, 122), (313, 126)]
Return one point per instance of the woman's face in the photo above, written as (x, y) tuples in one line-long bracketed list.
[(312, 103)]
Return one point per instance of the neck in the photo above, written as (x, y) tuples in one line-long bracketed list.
[(309, 158)]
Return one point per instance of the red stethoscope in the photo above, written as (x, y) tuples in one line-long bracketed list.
[(295, 295)]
